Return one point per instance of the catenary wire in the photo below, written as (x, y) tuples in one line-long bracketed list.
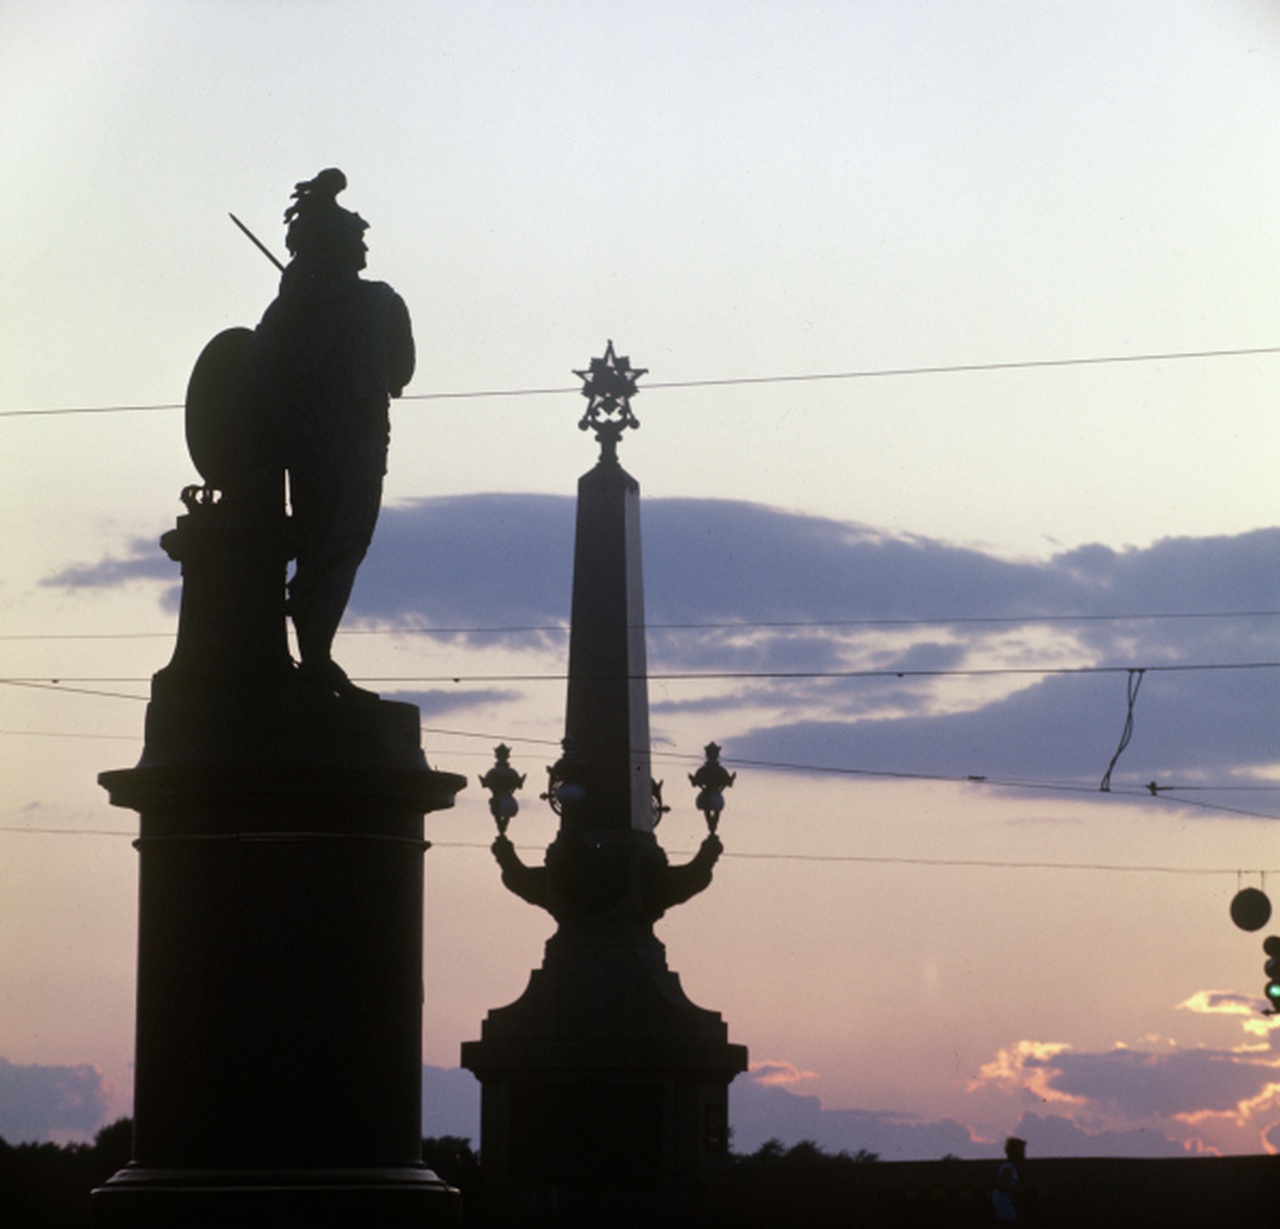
[(709, 675), (744, 625), (766, 856), (903, 860), (808, 377), (773, 765), (1152, 790)]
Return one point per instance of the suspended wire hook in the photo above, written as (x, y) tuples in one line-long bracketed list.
[(1134, 683)]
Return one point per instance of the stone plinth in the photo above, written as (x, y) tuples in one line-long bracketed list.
[(278, 1064), (605, 1089)]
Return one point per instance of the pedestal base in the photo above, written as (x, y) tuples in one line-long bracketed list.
[(604, 1092), (141, 1198), (278, 1078)]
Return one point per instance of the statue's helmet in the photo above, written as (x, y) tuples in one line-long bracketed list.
[(319, 228)]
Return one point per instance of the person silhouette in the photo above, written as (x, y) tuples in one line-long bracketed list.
[(1005, 1196), (326, 358)]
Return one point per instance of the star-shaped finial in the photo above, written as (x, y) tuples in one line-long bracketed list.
[(609, 384)]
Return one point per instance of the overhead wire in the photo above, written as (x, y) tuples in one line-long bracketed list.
[(725, 625), (65, 686), (729, 381), (770, 856), (1152, 789), (1133, 687), (559, 676), (905, 860)]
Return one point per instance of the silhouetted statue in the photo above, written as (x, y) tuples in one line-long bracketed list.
[(327, 356)]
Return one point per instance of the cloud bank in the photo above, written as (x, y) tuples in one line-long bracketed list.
[(844, 645), (1065, 1102), (37, 1102), (1182, 1091)]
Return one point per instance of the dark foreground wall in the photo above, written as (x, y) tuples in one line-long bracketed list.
[(1098, 1193)]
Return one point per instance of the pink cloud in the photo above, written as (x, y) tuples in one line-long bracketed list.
[(1222, 1002), (774, 1073), (1026, 1065), (1231, 1094), (1270, 1138)]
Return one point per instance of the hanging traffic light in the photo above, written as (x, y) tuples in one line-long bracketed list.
[(1250, 909), (1271, 945)]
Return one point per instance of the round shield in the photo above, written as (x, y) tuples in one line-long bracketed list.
[(220, 423), (1250, 909)]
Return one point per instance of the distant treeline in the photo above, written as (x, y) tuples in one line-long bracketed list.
[(48, 1185), (806, 1152)]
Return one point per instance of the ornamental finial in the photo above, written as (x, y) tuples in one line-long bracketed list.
[(711, 780), (609, 383), (502, 781)]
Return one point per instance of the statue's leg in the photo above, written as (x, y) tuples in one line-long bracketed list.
[(321, 589), (316, 622), (329, 555), (335, 499)]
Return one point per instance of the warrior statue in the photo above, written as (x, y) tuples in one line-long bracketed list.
[(328, 354)]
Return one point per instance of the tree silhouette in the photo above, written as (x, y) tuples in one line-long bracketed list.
[(806, 1152), (43, 1186)]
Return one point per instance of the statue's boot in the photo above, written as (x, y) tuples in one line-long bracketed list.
[(326, 674)]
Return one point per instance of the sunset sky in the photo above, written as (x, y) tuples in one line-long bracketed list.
[(922, 585)]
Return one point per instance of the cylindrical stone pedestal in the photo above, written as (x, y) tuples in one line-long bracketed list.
[(279, 1055)]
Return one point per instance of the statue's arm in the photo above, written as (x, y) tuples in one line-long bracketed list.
[(401, 354)]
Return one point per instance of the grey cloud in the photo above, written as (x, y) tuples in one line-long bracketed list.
[(37, 1100), (471, 561), (1052, 1135), (436, 703), (1186, 728), (505, 562), (451, 1106), (144, 560), (759, 1112), (863, 697), (450, 1103), (1144, 1085), (749, 649), (748, 561), (1181, 574)]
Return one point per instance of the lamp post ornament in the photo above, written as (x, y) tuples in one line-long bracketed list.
[(502, 781), (711, 780), (609, 383)]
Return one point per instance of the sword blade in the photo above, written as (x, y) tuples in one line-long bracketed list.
[(262, 247)]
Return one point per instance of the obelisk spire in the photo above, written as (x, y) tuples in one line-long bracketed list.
[(607, 710)]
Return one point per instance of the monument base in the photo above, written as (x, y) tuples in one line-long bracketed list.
[(141, 1198), (604, 1091), (278, 1074)]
